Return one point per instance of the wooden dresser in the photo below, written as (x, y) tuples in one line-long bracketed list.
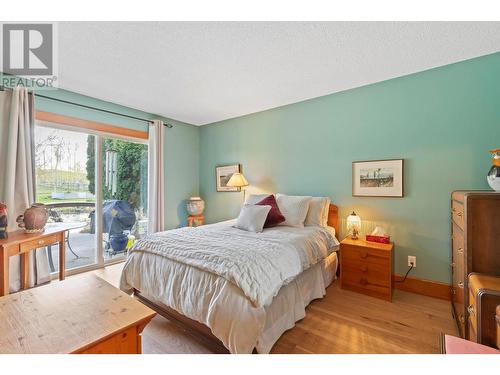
[(497, 319), (484, 297), (366, 267), (82, 314), (475, 234)]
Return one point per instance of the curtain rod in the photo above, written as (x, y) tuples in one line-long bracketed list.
[(2, 88)]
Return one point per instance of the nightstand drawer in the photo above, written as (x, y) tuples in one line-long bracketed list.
[(359, 254), (364, 284), (373, 273)]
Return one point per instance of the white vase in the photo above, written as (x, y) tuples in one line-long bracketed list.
[(195, 206), (494, 173), (494, 179)]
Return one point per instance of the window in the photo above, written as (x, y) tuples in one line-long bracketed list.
[(97, 185)]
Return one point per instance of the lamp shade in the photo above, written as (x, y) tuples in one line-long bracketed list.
[(237, 180), (353, 221)]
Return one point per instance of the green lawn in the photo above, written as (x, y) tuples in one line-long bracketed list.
[(44, 195), (47, 198)]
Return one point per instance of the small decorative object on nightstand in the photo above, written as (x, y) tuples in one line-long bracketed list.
[(353, 225), (198, 219), (378, 235), (366, 267)]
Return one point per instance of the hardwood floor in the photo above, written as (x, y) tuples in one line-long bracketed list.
[(342, 322)]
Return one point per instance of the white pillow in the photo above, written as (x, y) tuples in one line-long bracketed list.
[(293, 208), (327, 211), (255, 198), (252, 218), (318, 209)]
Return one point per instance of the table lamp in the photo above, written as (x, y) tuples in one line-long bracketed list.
[(239, 181), (353, 225)]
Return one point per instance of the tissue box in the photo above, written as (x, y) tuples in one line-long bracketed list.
[(380, 239)]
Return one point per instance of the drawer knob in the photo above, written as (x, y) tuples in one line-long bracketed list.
[(364, 268), (364, 254), (41, 242), (363, 281), (470, 309), (460, 284)]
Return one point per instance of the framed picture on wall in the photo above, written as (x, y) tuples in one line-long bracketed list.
[(378, 178), (222, 175)]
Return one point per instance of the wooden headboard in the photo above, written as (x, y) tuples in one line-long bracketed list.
[(333, 218)]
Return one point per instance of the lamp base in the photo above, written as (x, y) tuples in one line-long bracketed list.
[(354, 235)]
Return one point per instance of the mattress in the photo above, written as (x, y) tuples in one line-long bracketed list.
[(220, 304)]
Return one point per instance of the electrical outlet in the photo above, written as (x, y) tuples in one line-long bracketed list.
[(412, 259)]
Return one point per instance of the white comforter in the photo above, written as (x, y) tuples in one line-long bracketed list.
[(258, 263), (219, 303)]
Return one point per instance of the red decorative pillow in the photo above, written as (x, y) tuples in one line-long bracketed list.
[(274, 217)]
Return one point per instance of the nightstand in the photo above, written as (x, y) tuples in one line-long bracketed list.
[(366, 267)]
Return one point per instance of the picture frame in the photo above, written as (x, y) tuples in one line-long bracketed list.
[(378, 178), (222, 175)]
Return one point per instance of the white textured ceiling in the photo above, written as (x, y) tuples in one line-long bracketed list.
[(202, 72)]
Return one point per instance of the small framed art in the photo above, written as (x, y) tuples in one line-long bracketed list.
[(378, 178), (222, 175)]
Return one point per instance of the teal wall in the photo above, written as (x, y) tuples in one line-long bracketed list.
[(442, 122), (181, 145)]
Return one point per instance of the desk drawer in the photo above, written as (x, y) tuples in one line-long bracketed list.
[(39, 242)]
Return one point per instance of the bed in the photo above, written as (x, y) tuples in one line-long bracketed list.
[(234, 300)]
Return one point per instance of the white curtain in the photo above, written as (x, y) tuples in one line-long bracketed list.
[(156, 188), (17, 183)]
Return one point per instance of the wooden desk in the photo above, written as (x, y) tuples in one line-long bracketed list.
[(82, 314), (21, 243)]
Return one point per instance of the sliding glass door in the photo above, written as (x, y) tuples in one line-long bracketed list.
[(63, 171), (124, 194), (97, 186)]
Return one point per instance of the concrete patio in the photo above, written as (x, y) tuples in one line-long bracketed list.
[(80, 252)]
